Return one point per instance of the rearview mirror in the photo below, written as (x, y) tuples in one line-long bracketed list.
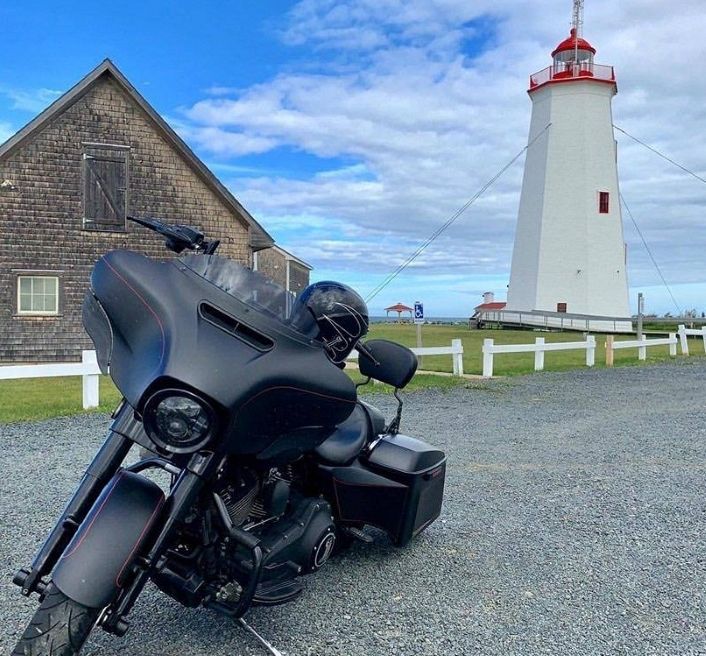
[(388, 362)]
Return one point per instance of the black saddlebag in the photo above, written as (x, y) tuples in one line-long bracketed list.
[(398, 487)]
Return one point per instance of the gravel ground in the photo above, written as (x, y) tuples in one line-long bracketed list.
[(574, 523)]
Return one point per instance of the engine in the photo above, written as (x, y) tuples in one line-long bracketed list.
[(299, 543), (297, 535)]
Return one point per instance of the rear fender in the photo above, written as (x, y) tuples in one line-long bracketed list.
[(94, 565)]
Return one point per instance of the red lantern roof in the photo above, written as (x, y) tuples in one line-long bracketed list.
[(571, 43)]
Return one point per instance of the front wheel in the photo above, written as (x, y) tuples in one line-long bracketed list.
[(60, 627)]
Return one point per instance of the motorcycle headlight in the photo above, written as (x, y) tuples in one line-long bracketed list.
[(178, 421)]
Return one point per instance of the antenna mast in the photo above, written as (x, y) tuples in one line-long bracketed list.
[(577, 24)]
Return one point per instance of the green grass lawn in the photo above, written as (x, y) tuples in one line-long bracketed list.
[(42, 398)]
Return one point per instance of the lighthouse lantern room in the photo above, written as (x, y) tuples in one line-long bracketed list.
[(569, 254)]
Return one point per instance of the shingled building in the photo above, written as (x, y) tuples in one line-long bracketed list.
[(283, 267), (68, 180)]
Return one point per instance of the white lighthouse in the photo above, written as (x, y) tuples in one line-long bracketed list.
[(569, 254)]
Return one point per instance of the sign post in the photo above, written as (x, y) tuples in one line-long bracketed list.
[(419, 320)]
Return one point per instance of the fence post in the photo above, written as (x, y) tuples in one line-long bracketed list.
[(539, 354), (642, 350), (488, 358), (703, 334), (609, 350), (91, 382), (590, 350), (457, 345), (683, 339), (673, 344)]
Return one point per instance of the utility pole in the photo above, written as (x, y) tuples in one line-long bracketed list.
[(640, 312)]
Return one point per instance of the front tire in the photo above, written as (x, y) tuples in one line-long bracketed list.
[(60, 627)]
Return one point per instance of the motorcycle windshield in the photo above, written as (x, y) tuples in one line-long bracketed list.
[(249, 287)]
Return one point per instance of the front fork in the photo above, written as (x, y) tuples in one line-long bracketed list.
[(101, 470), (181, 498)]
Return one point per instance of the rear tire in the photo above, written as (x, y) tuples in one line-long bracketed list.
[(60, 627)]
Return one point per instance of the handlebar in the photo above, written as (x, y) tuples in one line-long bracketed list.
[(179, 237)]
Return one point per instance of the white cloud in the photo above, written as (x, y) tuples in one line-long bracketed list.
[(218, 141), (394, 89), (31, 100)]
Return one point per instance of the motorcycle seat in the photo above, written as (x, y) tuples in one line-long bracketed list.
[(347, 440)]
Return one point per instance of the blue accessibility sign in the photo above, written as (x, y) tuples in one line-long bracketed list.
[(418, 312)]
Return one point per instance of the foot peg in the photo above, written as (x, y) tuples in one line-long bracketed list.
[(260, 639), (272, 594), (358, 534)]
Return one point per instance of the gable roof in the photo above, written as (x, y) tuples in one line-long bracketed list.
[(289, 256), (259, 238)]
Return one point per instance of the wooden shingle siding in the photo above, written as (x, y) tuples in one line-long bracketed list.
[(42, 216), (273, 265), (272, 262), (298, 277)]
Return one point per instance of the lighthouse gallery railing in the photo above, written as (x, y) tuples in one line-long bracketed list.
[(569, 71)]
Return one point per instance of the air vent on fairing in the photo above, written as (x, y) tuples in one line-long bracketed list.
[(235, 328)]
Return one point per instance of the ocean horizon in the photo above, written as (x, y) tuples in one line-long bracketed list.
[(430, 319)]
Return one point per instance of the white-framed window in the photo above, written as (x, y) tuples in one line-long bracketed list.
[(37, 295)]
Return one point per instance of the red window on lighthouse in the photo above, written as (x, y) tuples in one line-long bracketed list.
[(603, 202)]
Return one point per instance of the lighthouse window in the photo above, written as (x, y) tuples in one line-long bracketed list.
[(603, 202)]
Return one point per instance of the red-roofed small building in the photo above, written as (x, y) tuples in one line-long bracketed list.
[(489, 304), (399, 308)]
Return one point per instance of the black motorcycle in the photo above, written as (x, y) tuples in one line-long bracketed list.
[(236, 390)]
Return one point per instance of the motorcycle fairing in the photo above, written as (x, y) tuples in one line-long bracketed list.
[(267, 381)]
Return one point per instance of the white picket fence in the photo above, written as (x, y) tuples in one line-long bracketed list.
[(455, 351), (685, 332), (90, 373), (539, 348), (87, 369), (640, 344)]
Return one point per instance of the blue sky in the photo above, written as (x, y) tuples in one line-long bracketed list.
[(352, 130)]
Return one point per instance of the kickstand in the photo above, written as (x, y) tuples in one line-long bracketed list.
[(260, 639)]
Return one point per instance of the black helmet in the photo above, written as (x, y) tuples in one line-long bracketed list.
[(333, 313)]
